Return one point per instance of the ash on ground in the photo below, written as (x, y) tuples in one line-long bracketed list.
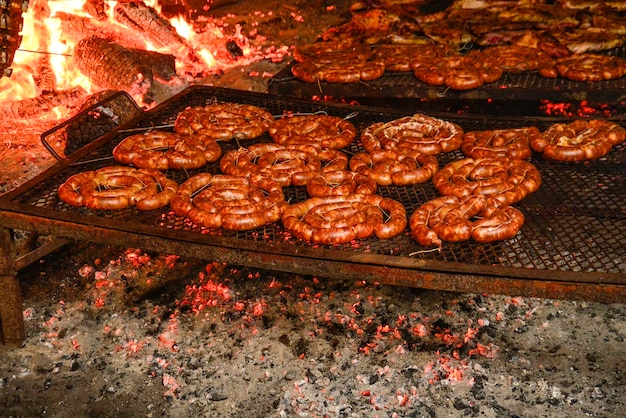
[(115, 332)]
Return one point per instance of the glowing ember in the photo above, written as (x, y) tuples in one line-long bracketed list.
[(582, 109)]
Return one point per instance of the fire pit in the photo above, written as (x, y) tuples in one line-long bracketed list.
[(118, 331), (571, 245), (519, 263)]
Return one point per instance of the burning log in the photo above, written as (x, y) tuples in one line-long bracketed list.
[(111, 66), (96, 9), (157, 30), (44, 75), (74, 28), (163, 65), (30, 109)]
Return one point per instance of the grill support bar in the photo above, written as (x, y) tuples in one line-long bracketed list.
[(11, 319), (11, 305)]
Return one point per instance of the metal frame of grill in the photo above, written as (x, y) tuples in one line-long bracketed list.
[(572, 245)]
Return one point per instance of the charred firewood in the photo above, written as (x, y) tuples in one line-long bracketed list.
[(74, 28), (163, 65), (112, 66), (29, 109), (44, 76), (96, 9), (158, 31)]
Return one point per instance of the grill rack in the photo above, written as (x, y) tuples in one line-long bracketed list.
[(405, 89), (572, 245)]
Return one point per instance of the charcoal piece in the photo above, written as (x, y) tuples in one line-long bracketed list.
[(234, 49), (90, 127), (106, 114), (111, 66)]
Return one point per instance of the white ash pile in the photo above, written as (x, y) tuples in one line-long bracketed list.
[(183, 337)]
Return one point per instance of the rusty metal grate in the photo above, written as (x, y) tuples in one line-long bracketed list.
[(575, 225), (393, 88)]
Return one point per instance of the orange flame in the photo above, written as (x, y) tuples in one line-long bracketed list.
[(44, 37)]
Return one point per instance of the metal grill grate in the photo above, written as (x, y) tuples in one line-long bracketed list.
[(392, 88), (575, 223)]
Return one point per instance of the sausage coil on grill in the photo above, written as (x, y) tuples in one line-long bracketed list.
[(330, 159), (167, 150), (330, 51), (224, 121), (579, 140), (340, 219), (514, 59), (449, 218), (336, 62), (340, 182), (461, 72), (388, 167), (402, 58), (342, 70), (413, 135), (118, 187), (274, 161), (586, 67), (504, 179), (229, 202), (323, 131), (428, 54), (505, 143)]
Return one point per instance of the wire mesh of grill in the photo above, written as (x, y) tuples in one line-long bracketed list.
[(392, 86), (575, 222)]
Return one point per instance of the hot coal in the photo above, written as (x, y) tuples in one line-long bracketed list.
[(189, 337)]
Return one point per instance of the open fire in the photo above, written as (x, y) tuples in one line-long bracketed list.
[(72, 49)]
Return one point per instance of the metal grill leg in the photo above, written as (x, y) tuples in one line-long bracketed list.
[(11, 316)]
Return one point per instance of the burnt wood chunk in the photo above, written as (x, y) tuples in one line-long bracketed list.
[(155, 29), (96, 9), (29, 109), (111, 66), (163, 65), (75, 28)]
